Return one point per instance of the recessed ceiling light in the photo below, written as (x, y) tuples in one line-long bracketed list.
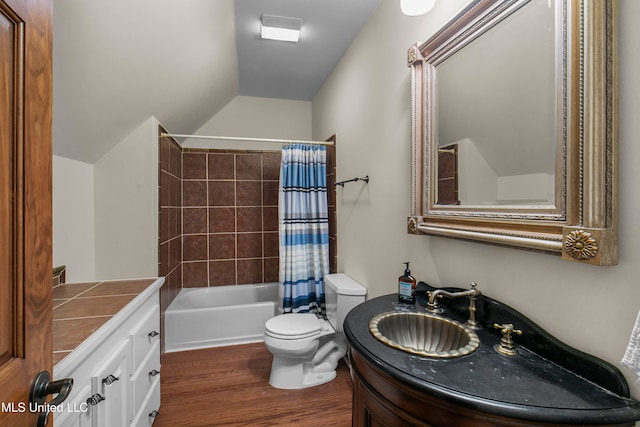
[(280, 28)]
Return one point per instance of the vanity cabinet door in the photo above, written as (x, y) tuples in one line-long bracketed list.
[(79, 413), (372, 410), (145, 334), (144, 400), (149, 409), (109, 387), (144, 378)]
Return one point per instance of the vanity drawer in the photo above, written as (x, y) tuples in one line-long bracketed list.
[(145, 335), (149, 410), (143, 379)]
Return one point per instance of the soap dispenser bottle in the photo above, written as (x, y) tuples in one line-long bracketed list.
[(407, 287)]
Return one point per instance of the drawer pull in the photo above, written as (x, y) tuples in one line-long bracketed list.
[(95, 399), (153, 334), (110, 379), (153, 373), (153, 414)]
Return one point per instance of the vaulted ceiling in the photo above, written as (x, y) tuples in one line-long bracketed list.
[(118, 62)]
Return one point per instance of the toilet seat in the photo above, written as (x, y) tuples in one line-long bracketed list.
[(294, 326)]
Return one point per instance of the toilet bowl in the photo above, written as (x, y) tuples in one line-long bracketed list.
[(306, 349)]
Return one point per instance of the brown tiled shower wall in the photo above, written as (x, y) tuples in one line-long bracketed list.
[(229, 217), (170, 224), (219, 217)]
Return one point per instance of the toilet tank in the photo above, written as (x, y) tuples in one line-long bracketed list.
[(342, 293)]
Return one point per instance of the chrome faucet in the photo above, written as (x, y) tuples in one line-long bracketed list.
[(473, 294)]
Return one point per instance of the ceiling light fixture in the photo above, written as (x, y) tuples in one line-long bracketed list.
[(416, 7), (280, 28)]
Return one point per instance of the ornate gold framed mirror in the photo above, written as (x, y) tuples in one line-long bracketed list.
[(514, 127)]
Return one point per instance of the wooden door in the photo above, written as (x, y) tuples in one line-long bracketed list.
[(25, 203)]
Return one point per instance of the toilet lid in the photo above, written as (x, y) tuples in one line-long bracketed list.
[(293, 326)]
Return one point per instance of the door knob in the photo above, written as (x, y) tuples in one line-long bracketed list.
[(42, 387)]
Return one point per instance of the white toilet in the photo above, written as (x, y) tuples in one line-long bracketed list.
[(306, 349)]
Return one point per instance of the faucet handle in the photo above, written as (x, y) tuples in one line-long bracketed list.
[(508, 329), (473, 292), (506, 345), (432, 302)]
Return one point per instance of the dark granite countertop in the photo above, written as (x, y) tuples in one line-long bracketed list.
[(526, 387)]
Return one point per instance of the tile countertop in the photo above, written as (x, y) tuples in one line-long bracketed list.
[(80, 309)]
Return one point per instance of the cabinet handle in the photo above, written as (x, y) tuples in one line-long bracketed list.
[(153, 414), (153, 373), (95, 399), (109, 379), (153, 334)]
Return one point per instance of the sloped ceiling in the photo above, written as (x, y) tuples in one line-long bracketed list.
[(118, 62)]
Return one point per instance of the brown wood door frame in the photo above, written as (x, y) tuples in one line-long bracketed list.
[(25, 203)]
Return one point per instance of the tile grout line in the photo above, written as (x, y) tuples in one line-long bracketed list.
[(85, 317), (81, 293)]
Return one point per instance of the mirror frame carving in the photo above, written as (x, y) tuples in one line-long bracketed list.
[(583, 225)]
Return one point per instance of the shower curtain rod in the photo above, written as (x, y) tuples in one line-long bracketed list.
[(237, 138)]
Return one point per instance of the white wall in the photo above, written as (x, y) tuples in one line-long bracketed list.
[(535, 188), (477, 181), (73, 219), (105, 215), (126, 206), (512, 65), (117, 62), (247, 116), (366, 102)]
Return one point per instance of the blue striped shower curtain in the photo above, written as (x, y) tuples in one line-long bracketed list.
[(304, 228)]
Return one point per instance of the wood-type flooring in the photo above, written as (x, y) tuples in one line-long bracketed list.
[(229, 386)]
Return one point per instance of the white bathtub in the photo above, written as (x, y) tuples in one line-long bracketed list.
[(219, 315)]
